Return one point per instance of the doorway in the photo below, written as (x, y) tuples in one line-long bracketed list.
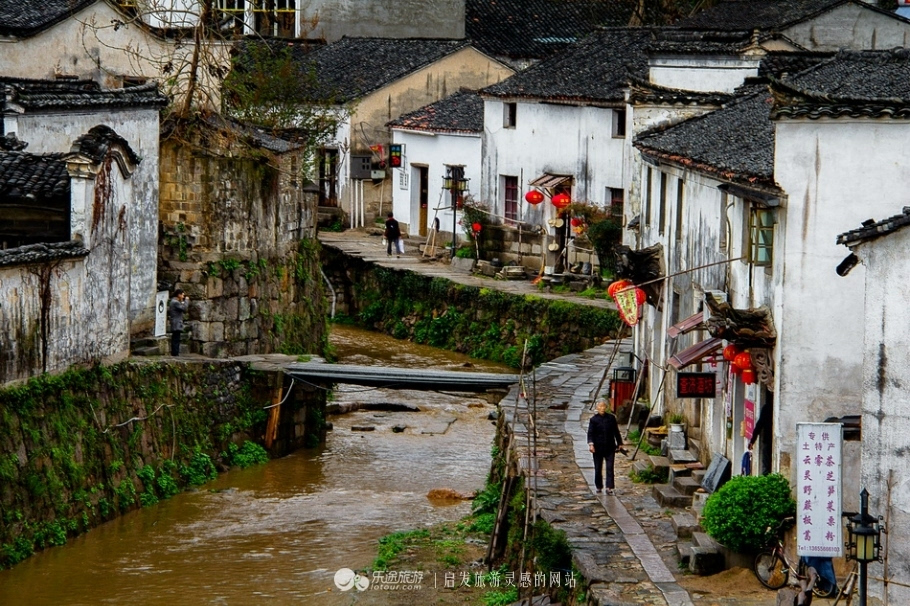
[(423, 188)]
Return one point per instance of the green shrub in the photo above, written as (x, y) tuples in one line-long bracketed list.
[(250, 453), (650, 476), (738, 514)]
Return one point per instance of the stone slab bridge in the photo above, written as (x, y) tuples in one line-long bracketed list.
[(399, 378)]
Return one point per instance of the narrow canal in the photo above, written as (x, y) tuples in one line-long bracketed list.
[(277, 533)]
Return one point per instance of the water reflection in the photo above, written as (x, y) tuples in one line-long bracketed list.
[(280, 531)]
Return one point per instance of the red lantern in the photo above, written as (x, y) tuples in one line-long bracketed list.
[(476, 227), (576, 221), (730, 352), (748, 376), (735, 369), (561, 201), (640, 296), (618, 285), (743, 360), (534, 197)]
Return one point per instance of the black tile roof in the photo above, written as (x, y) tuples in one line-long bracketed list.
[(98, 141), (535, 29), (31, 177), (354, 67), (40, 253), (735, 143), (23, 18), (460, 113), (644, 91), (593, 70), (875, 229), (675, 41), (757, 14), (53, 94), (851, 84), (780, 63)]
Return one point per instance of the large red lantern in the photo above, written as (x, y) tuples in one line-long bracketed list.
[(534, 197), (743, 360), (736, 369), (730, 352), (748, 376), (640, 296), (561, 201), (576, 221), (618, 285)]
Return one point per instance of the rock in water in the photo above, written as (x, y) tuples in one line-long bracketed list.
[(447, 494)]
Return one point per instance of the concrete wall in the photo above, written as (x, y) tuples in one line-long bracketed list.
[(886, 441), (235, 238), (434, 151), (850, 26), (55, 132), (386, 18), (712, 74)]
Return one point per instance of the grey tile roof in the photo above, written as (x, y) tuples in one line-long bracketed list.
[(40, 253), (851, 84), (765, 14), (460, 113), (98, 141), (675, 41), (23, 18), (875, 229), (595, 69), (54, 94), (32, 177), (354, 67), (535, 29), (735, 143), (643, 91)]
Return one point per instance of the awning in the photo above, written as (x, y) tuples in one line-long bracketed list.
[(687, 325), (696, 353), (548, 180)]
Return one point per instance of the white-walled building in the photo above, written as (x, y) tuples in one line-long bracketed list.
[(437, 141)]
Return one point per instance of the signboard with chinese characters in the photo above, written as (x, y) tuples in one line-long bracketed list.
[(819, 489), (696, 385)]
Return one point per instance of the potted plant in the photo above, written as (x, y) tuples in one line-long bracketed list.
[(676, 421)]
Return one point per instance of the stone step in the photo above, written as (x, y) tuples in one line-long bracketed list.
[(679, 470), (146, 351), (660, 464), (699, 475), (705, 561), (701, 539), (682, 456), (684, 551), (668, 496), (684, 524), (698, 502), (641, 465), (695, 447), (687, 486)]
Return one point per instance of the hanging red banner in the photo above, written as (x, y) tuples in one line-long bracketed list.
[(627, 304)]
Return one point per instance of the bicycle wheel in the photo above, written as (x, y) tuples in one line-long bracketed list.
[(771, 570), (825, 589)]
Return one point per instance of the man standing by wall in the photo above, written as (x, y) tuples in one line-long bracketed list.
[(176, 310)]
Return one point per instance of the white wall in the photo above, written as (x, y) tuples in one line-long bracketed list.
[(850, 26), (434, 151), (56, 131), (886, 417), (712, 74), (554, 139)]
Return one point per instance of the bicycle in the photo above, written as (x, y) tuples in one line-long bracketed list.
[(773, 568)]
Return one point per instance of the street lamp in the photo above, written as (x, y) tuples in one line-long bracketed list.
[(864, 533), (455, 182)]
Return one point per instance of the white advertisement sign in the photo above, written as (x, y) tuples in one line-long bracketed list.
[(819, 489), (161, 313)]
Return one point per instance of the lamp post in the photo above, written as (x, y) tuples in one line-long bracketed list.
[(456, 184), (864, 533)]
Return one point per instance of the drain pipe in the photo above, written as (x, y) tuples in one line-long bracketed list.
[(332, 290)]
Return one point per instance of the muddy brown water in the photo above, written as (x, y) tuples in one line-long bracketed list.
[(277, 533)]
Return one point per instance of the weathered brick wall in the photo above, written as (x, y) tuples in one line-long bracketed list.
[(237, 236)]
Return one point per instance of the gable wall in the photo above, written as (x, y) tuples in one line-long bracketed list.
[(850, 26), (386, 18), (55, 132)]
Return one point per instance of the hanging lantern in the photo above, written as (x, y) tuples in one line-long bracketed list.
[(640, 296), (576, 221), (619, 284), (735, 369), (534, 197), (730, 352), (561, 201), (748, 376), (476, 227), (743, 360)]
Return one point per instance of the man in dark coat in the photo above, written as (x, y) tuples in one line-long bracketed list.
[(392, 235), (176, 310), (604, 440)]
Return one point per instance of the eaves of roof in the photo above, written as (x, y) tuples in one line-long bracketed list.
[(51, 94), (764, 184), (648, 93), (875, 229), (42, 253), (791, 101), (26, 18)]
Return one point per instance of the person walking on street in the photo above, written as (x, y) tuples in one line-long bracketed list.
[(176, 309), (763, 434), (393, 236), (604, 440)]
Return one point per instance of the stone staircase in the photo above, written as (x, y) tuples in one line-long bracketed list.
[(158, 346)]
